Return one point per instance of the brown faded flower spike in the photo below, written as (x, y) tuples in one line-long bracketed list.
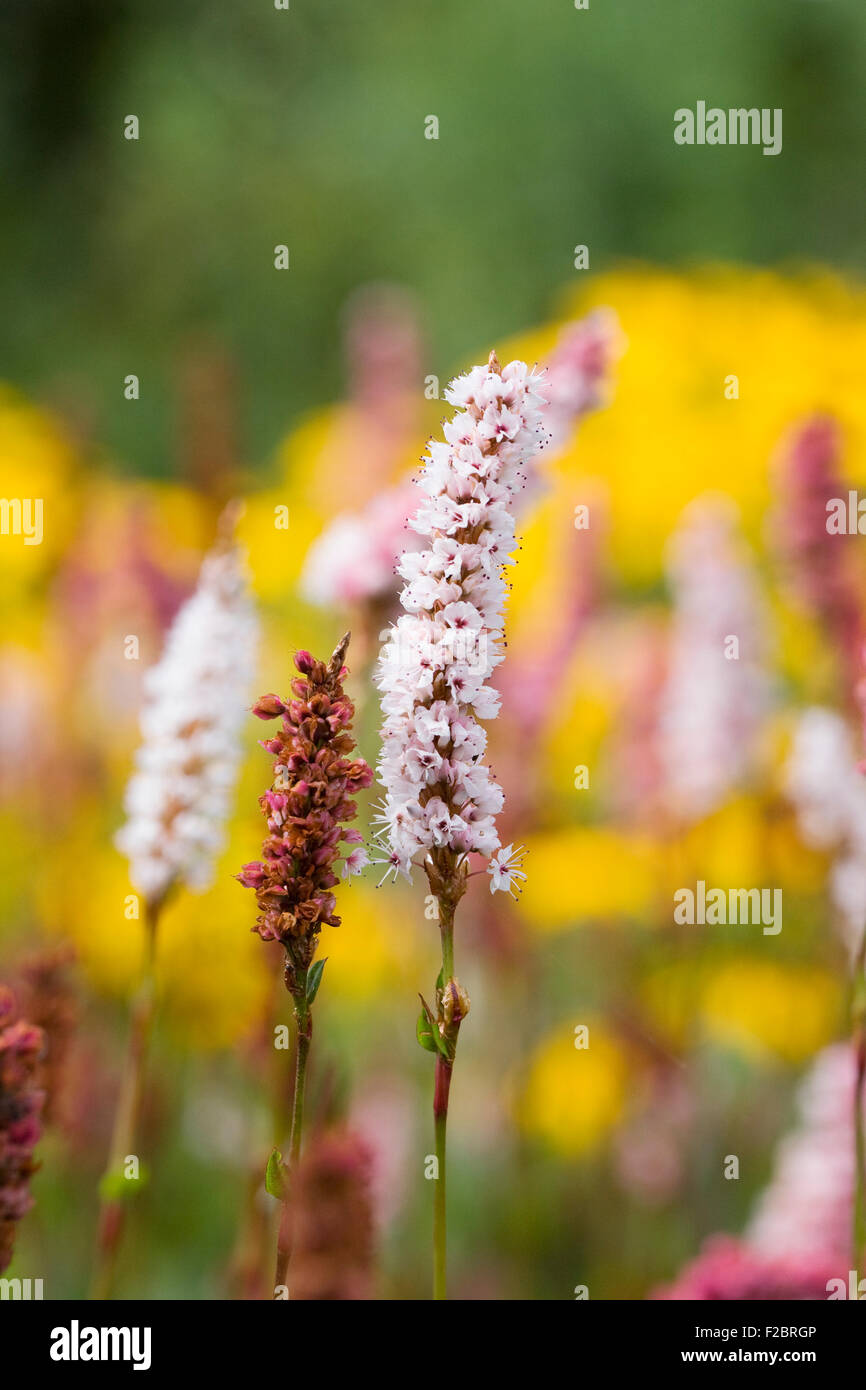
[(50, 1004), (307, 810), (20, 1107), (333, 1215)]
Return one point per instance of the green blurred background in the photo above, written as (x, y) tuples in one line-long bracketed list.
[(306, 127)]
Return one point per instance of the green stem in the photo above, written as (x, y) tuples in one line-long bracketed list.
[(446, 928), (860, 1154), (441, 1092), (112, 1211), (304, 1021), (440, 1215), (305, 1034), (858, 1018)]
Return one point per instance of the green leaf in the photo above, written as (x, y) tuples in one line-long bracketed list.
[(314, 978), (425, 1033), (427, 1030), (275, 1176)]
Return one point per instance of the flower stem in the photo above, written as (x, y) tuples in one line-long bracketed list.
[(858, 1019), (860, 1156), (112, 1211), (441, 1092), (304, 1020), (440, 1122)]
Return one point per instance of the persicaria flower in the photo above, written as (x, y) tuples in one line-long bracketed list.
[(308, 808), (806, 1209), (717, 690), (505, 871), (819, 560), (195, 699), (353, 560), (435, 665), (20, 1106), (578, 371), (829, 795), (729, 1270)]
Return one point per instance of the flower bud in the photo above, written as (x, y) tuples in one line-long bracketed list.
[(455, 1003), (268, 707)]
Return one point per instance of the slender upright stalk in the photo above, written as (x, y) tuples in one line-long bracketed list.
[(858, 1021), (305, 1035), (112, 1212), (452, 1005), (304, 1020), (440, 1213), (307, 809), (441, 800)]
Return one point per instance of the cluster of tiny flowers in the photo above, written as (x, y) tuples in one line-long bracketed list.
[(195, 698), (806, 1210), (20, 1107), (716, 694), (435, 665), (829, 795), (577, 374), (732, 1271), (353, 560), (308, 807)]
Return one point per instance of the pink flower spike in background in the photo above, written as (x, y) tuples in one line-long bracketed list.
[(728, 1270), (820, 564), (717, 689), (578, 370)]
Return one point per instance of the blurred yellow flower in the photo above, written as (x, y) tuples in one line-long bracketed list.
[(588, 874), (37, 465), (372, 950), (749, 842), (278, 529), (795, 345), (762, 1008), (573, 1096)]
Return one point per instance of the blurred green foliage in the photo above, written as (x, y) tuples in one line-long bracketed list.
[(306, 126)]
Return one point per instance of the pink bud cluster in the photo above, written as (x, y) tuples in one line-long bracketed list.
[(577, 373), (434, 668), (308, 806), (20, 1106), (829, 795), (818, 560), (352, 561), (806, 1209), (731, 1271)]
